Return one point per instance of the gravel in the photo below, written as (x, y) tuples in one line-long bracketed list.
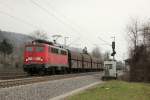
[(47, 90)]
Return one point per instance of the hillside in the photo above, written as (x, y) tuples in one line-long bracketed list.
[(18, 40)]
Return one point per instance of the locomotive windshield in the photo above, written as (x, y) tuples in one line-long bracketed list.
[(35, 49), (29, 49), (39, 49)]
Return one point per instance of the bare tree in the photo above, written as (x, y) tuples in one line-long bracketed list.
[(106, 55), (6, 48), (40, 35), (96, 52), (146, 33), (133, 31), (139, 56)]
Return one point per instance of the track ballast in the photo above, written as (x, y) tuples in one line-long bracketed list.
[(31, 80)]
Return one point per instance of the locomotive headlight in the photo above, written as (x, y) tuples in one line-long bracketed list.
[(26, 59), (41, 59)]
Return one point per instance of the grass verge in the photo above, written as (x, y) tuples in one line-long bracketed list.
[(115, 90)]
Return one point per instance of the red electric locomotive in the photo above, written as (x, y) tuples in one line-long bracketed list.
[(42, 56)]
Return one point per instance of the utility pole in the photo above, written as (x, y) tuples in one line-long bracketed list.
[(65, 41), (56, 37)]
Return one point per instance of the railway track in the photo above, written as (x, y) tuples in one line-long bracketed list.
[(31, 80), (12, 77)]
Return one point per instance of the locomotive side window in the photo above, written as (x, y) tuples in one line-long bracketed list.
[(49, 49), (63, 52), (39, 49), (29, 49), (54, 50)]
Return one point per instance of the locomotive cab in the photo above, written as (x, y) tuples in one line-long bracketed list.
[(35, 57), (34, 54)]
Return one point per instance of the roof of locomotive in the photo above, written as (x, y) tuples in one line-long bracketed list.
[(44, 42)]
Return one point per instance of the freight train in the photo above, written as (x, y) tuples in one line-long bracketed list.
[(43, 57)]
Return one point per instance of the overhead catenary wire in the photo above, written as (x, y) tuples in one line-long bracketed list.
[(107, 43), (18, 19), (77, 39), (48, 12), (58, 19), (53, 15), (67, 20), (56, 16), (71, 23)]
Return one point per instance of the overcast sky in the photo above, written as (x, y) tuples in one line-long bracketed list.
[(81, 20)]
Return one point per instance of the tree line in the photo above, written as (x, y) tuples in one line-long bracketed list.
[(6, 48), (139, 50)]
